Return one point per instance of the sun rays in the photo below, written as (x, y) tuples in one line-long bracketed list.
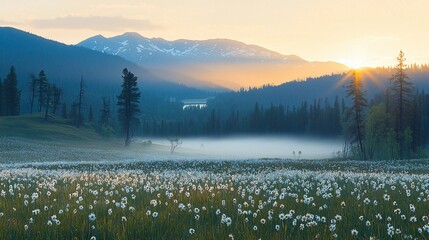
[(366, 75)]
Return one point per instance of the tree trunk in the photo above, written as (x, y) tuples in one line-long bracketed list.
[(80, 103), (47, 107)]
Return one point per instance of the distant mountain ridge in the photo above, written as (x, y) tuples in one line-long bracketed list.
[(139, 49), (64, 65), (323, 89), (221, 62)]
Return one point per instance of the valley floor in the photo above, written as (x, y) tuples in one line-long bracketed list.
[(65, 190)]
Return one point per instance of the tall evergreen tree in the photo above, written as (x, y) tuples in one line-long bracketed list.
[(56, 97), (336, 119), (42, 83), (64, 111), (128, 103), (90, 114), (11, 94), (73, 115), (48, 95), (105, 112), (255, 118), (402, 97), (32, 90), (356, 113), (80, 100), (1, 98)]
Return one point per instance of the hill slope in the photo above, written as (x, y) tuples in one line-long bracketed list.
[(65, 65), (30, 53), (36, 127), (326, 87)]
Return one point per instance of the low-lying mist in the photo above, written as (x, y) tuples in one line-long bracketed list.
[(292, 147)]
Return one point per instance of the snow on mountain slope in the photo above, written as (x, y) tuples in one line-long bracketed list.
[(218, 62), (139, 49)]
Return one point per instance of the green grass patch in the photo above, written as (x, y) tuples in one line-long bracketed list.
[(34, 126)]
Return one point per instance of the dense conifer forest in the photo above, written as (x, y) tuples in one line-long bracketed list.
[(392, 119)]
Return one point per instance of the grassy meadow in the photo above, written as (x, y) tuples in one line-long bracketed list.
[(89, 188), (213, 199), (35, 126)]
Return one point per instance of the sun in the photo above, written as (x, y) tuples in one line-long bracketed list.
[(365, 74), (353, 63)]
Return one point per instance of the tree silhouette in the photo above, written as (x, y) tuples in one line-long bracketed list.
[(56, 95), (356, 112), (11, 94), (33, 89), (1, 98), (105, 112), (128, 102), (42, 83), (401, 91), (174, 143), (48, 95), (64, 111), (80, 100), (73, 115), (90, 114)]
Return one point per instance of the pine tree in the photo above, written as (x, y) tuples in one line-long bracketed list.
[(90, 114), (336, 121), (41, 89), (81, 95), (73, 115), (402, 96), (48, 95), (105, 112), (64, 111), (212, 122), (356, 113), (128, 102), (32, 90), (1, 98), (11, 94), (56, 97), (255, 118)]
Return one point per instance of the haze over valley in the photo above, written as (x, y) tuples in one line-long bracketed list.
[(216, 62), (158, 119)]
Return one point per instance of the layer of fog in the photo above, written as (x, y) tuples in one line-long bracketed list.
[(257, 147)]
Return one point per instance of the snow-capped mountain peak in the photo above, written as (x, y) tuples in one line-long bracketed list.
[(218, 62), (139, 49)]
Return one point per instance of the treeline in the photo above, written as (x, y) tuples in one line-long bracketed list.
[(293, 93), (395, 123), (43, 96), (10, 95), (46, 97), (392, 124), (318, 118)]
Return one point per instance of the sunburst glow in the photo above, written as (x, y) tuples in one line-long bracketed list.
[(364, 74), (354, 63)]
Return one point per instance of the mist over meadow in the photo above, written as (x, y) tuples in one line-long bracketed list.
[(257, 146), (133, 120)]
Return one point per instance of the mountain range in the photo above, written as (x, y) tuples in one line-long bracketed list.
[(215, 62), (64, 65), (172, 71), (323, 89)]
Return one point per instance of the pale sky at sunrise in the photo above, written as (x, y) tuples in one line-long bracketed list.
[(354, 32)]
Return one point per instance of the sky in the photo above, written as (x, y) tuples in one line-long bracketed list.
[(354, 32)]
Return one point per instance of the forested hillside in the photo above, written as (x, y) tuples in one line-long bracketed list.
[(65, 65)]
